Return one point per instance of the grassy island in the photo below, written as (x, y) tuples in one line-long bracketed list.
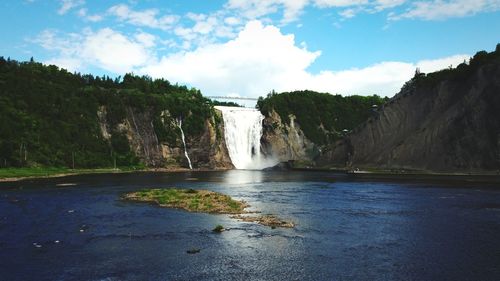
[(204, 201)]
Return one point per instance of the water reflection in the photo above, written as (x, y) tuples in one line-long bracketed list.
[(243, 176), (345, 230)]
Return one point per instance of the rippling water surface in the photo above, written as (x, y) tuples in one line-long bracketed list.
[(76, 228)]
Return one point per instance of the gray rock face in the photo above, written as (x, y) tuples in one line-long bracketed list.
[(453, 125), (205, 151), (140, 132), (209, 150), (285, 142)]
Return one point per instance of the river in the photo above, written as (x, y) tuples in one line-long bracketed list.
[(77, 228)]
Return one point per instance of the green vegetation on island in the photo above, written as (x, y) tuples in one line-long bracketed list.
[(203, 201), (190, 200), (218, 228)]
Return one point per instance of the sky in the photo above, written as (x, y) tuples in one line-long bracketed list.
[(249, 48)]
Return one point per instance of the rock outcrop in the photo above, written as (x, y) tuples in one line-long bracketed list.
[(207, 150), (449, 125), (285, 142)]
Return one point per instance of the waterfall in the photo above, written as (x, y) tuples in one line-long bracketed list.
[(242, 132), (179, 125)]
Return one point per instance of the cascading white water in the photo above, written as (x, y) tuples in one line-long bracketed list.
[(242, 132), (179, 125)]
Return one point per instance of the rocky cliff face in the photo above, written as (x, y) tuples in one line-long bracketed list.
[(452, 125), (207, 150), (285, 142)]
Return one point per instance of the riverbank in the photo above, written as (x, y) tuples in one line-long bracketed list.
[(484, 177), (17, 174)]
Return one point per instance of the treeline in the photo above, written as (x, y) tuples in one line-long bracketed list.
[(322, 117), (48, 116), (459, 73)]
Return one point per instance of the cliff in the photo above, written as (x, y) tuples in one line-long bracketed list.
[(300, 125), (206, 150), (285, 141), (446, 121), (53, 118)]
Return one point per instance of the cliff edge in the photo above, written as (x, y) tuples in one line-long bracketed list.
[(448, 121)]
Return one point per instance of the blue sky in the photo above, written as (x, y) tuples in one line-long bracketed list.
[(248, 48)]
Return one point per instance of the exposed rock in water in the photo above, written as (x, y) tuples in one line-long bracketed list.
[(433, 124), (282, 166), (267, 220), (193, 251)]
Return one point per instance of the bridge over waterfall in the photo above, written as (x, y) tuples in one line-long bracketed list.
[(232, 98)]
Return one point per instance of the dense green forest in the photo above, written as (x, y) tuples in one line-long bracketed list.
[(49, 116), (322, 116)]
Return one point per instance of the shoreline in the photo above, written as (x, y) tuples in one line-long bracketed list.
[(70, 173), (103, 171), (486, 177), (413, 176)]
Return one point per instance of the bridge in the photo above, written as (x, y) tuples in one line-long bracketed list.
[(231, 98)]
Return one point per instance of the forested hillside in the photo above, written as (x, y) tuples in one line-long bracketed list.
[(49, 117), (322, 116)]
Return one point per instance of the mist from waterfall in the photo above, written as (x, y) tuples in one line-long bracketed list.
[(242, 132)]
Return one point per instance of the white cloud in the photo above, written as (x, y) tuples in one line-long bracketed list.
[(107, 49), (261, 58), (386, 4), (428, 66), (258, 60), (113, 51), (83, 13), (145, 39), (232, 21), (348, 13), (399, 9), (339, 3), (205, 26), (204, 29), (71, 64), (67, 5), (147, 18), (292, 9), (385, 78), (442, 9), (254, 9)]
